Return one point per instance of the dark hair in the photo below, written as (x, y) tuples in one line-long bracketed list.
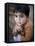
[(22, 8)]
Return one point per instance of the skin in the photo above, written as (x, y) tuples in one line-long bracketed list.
[(22, 19), (28, 29)]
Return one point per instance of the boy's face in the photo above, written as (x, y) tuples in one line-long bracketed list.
[(20, 18)]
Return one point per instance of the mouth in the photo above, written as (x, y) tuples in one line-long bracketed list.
[(18, 24)]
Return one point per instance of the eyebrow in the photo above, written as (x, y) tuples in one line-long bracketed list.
[(17, 14)]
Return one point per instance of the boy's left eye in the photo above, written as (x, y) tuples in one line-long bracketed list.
[(21, 16), (16, 16)]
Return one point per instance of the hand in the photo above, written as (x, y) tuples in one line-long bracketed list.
[(18, 28), (22, 33)]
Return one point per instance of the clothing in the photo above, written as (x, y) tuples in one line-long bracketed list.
[(17, 38)]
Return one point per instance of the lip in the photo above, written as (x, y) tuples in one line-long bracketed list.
[(18, 24)]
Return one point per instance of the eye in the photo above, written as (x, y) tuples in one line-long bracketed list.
[(21, 16), (16, 15)]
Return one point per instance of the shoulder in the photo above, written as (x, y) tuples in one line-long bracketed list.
[(29, 24)]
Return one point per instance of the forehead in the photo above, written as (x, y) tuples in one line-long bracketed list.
[(18, 13)]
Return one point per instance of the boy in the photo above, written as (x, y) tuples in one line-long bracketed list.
[(23, 30)]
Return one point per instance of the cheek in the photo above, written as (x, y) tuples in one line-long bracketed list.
[(16, 19), (23, 20)]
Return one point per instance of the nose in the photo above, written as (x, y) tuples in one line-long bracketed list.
[(19, 21)]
